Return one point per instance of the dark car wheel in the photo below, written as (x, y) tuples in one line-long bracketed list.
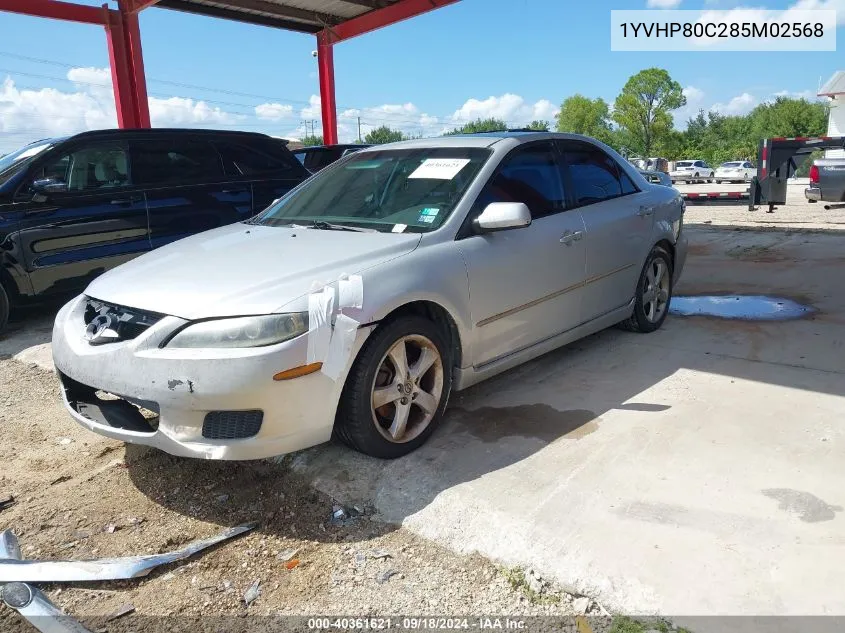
[(397, 389), (654, 292), (4, 309)]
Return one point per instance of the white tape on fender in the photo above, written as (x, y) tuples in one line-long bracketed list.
[(350, 292), (340, 348), (320, 311)]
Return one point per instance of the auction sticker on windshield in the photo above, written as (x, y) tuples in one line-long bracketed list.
[(440, 168), (428, 215)]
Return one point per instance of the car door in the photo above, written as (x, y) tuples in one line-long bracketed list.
[(81, 213), (185, 187), (525, 284), (618, 220), (266, 167)]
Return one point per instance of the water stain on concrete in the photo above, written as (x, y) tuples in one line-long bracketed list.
[(744, 307), (538, 421), (808, 507)]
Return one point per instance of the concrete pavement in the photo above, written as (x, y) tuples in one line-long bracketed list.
[(697, 470)]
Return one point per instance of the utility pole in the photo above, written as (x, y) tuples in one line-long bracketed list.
[(359, 129)]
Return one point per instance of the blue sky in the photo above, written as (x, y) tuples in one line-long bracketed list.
[(517, 59)]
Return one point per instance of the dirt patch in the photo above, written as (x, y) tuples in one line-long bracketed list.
[(82, 496)]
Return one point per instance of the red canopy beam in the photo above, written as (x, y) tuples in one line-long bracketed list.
[(370, 21), (391, 14), (56, 10)]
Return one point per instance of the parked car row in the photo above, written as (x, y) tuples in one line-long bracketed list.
[(317, 157), (351, 306)]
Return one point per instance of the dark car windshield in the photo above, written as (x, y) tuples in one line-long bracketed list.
[(11, 163), (387, 190)]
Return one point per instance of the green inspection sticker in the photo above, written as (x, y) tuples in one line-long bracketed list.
[(428, 215)]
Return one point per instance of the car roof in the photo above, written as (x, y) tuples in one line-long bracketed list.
[(163, 131), (481, 139), (300, 150)]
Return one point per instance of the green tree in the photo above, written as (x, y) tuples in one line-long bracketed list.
[(538, 126), (480, 125), (312, 140), (382, 135), (581, 115), (643, 108)]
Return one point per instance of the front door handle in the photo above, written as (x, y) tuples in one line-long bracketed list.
[(645, 211), (571, 236)]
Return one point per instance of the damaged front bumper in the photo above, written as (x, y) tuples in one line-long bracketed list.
[(206, 403)]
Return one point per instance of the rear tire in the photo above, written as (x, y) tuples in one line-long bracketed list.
[(718, 182), (654, 293), (391, 370), (5, 307)]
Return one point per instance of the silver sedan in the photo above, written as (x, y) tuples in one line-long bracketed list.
[(356, 304)]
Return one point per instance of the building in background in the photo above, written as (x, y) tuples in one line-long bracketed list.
[(834, 89)]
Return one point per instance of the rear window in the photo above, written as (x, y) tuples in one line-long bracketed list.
[(259, 159), (176, 161), (731, 164), (683, 163)]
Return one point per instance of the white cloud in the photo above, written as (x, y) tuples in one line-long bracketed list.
[(663, 4), (27, 114), (312, 110), (273, 111), (837, 5), (741, 104), (509, 107), (695, 102)]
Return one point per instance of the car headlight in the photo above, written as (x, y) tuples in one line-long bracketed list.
[(256, 331)]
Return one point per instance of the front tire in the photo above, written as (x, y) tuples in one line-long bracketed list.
[(397, 390), (654, 293), (5, 307)]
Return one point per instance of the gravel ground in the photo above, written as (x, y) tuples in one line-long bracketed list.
[(796, 214), (82, 496)]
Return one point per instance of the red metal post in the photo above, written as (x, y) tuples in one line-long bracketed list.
[(325, 60), (127, 69), (132, 35), (121, 72)]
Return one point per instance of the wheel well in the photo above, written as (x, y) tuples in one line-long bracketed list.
[(438, 315), (669, 248)]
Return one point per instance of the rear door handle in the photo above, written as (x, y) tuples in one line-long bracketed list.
[(645, 211), (571, 236)]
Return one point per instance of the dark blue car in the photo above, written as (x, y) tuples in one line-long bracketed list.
[(72, 208)]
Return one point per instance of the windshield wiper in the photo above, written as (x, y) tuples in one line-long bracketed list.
[(328, 226)]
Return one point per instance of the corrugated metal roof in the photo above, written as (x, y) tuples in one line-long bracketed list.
[(307, 16), (834, 86)]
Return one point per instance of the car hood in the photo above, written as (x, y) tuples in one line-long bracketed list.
[(243, 269)]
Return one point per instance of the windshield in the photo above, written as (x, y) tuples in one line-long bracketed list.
[(11, 164), (26, 152), (683, 163), (395, 190), (731, 164)]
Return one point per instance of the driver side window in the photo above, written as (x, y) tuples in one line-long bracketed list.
[(86, 169), (530, 175)]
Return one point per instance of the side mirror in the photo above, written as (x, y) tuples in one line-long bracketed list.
[(42, 188), (498, 216)]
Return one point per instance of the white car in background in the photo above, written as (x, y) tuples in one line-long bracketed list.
[(691, 171), (735, 171)]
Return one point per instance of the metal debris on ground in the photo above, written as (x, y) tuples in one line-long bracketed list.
[(287, 554), (360, 559), (342, 516), (60, 480), (6, 502), (380, 553), (107, 568), (291, 564), (251, 594), (126, 609), (384, 576), (110, 528)]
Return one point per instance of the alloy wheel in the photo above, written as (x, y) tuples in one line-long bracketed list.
[(656, 290), (407, 388)]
